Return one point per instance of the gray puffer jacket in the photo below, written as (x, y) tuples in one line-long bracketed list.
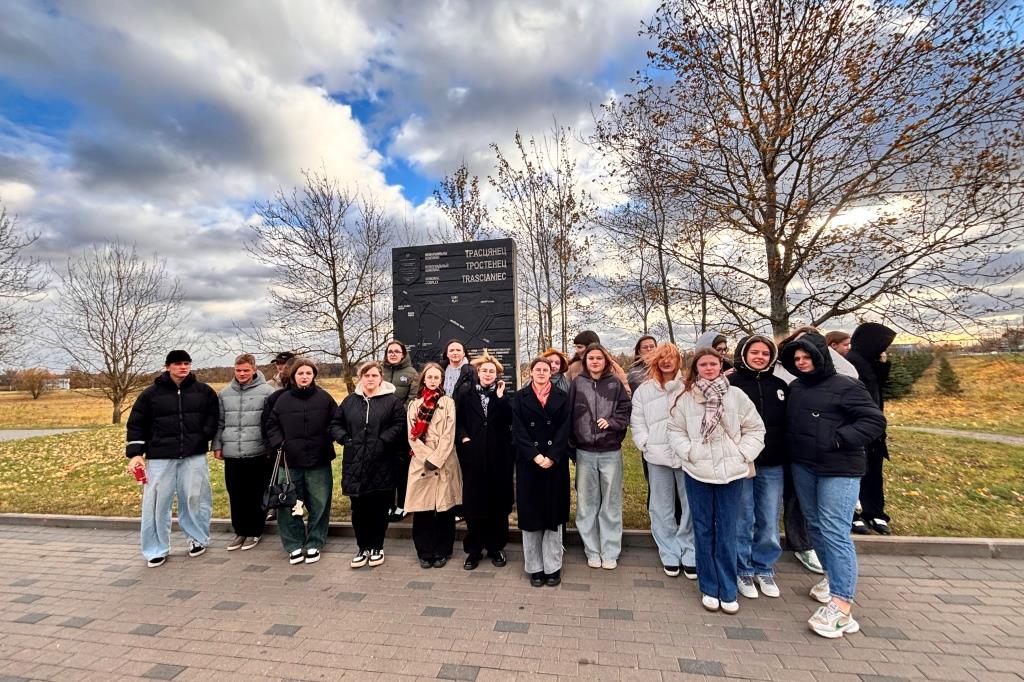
[(241, 408)]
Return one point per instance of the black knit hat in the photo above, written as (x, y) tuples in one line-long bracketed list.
[(283, 356), (585, 338), (177, 356)]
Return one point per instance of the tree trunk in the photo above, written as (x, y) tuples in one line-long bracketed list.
[(117, 412)]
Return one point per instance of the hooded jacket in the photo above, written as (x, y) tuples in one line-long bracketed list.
[(169, 421), (841, 364), (371, 432), (707, 340), (300, 421), (402, 376), (593, 399), (867, 344), (649, 421), (768, 393), (239, 430), (830, 417)]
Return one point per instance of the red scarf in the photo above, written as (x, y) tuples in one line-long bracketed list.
[(542, 393), (425, 413)]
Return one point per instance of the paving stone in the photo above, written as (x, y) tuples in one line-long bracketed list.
[(299, 578), (884, 633), (350, 596), (962, 599), (698, 667), (24, 582), (615, 614), (255, 568), (147, 629), (32, 618), (77, 622), (216, 560), (750, 634), (419, 585), (639, 582), (576, 587), (880, 678), (511, 626), (485, 575), (282, 630), (183, 594), (164, 671), (228, 605), (124, 582), (26, 598), (466, 673), (438, 612)]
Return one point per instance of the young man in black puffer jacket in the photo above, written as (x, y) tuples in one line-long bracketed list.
[(757, 542), (169, 431)]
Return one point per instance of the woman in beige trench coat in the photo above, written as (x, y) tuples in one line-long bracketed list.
[(435, 478)]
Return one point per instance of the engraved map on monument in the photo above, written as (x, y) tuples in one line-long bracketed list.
[(463, 291)]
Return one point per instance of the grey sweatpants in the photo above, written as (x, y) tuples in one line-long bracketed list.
[(542, 551)]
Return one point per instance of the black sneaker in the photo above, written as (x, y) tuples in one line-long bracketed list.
[(312, 556), (880, 526), (376, 557), (554, 579), (360, 558), (538, 579), (426, 563), (472, 561), (195, 549), (671, 571), (498, 558), (858, 527), (690, 572), (439, 562), (156, 561), (296, 557)]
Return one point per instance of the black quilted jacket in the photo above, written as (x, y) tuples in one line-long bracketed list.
[(372, 432)]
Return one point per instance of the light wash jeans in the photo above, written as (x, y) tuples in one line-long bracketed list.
[(599, 502), (189, 479), (757, 533), (542, 551), (715, 509), (828, 503), (674, 540)]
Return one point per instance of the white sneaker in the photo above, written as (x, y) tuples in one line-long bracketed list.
[(745, 585), (594, 561), (296, 557), (671, 571), (710, 603), (730, 607), (609, 564), (766, 584), (829, 621), (821, 592), (810, 561)]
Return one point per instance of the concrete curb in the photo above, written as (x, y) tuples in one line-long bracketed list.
[(988, 548)]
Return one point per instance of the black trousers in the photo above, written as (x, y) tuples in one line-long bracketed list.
[(398, 496), (433, 533), (793, 520), (246, 479), (370, 518), (485, 532), (872, 486)]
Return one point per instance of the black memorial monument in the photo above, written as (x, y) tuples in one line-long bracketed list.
[(463, 291)]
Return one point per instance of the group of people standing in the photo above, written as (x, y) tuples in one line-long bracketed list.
[(725, 443)]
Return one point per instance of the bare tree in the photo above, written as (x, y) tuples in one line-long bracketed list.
[(854, 157), (20, 280), (35, 380), (458, 196), (116, 314), (329, 250), (547, 213)]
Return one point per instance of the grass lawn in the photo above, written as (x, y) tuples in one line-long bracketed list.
[(992, 399)]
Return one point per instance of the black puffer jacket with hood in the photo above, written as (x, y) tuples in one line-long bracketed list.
[(372, 433), (867, 344), (830, 418), (768, 393)]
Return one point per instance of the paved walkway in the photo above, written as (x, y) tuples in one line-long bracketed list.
[(80, 605), (19, 434), (975, 435)]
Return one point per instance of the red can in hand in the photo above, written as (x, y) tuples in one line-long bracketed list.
[(140, 474)]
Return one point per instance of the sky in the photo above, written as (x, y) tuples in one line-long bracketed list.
[(160, 124)]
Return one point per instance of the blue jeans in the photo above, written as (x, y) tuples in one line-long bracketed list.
[(828, 503), (599, 502), (715, 508), (316, 488), (674, 540), (189, 479), (757, 537)]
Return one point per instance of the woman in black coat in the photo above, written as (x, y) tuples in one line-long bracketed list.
[(541, 423), (829, 420), (483, 426), (370, 425), (298, 424)]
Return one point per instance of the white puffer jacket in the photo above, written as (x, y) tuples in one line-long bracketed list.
[(736, 443), (649, 422)]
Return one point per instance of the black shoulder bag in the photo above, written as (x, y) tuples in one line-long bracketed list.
[(280, 494)]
